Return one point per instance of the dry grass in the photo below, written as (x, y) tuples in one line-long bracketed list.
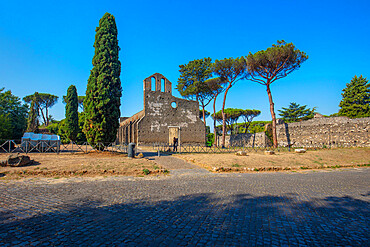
[(329, 158), (69, 165)]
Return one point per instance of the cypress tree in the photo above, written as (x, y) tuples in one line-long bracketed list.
[(32, 122), (356, 98), (71, 121), (103, 91)]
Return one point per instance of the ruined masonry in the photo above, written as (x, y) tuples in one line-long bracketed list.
[(320, 131), (317, 132), (163, 117)]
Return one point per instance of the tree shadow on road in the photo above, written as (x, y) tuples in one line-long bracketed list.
[(201, 219)]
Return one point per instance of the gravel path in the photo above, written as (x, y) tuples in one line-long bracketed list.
[(188, 208), (179, 167)]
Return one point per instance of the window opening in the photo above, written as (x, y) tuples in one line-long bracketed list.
[(152, 81)]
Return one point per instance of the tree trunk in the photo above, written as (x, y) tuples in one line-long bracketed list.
[(204, 115), (274, 137), (214, 121), (47, 116), (223, 117), (205, 126), (42, 113)]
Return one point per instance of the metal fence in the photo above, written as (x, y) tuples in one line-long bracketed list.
[(189, 148), (11, 146)]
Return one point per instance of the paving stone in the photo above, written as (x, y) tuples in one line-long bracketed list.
[(190, 207)]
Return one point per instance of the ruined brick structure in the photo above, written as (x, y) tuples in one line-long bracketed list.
[(163, 117), (317, 132), (333, 131)]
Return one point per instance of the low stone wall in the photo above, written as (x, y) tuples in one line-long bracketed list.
[(333, 131), (247, 140)]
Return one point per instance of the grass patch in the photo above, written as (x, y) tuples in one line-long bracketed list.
[(364, 165), (235, 165), (146, 171), (336, 166)]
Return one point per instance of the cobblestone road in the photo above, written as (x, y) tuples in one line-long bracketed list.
[(326, 208)]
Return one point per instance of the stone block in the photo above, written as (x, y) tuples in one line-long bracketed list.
[(241, 153)]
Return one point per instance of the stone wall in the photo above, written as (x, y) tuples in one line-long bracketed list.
[(317, 132), (162, 110), (247, 140)]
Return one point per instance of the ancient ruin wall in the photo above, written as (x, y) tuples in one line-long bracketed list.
[(246, 140), (160, 115), (334, 131)]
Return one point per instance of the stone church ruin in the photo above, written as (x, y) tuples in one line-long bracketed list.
[(163, 117)]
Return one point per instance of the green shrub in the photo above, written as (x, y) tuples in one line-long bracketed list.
[(146, 171)]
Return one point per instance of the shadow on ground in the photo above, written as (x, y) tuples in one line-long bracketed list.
[(203, 219)]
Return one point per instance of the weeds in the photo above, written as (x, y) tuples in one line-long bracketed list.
[(146, 171)]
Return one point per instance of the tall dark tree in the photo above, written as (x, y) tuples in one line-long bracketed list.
[(43, 101), (13, 116), (104, 89), (191, 83), (296, 112), (230, 71), (80, 101), (71, 120), (356, 98), (33, 122), (216, 86), (274, 63)]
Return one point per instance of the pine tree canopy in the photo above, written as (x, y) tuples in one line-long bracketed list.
[(103, 93), (71, 120), (296, 112), (191, 83), (355, 101), (43, 101), (206, 113)]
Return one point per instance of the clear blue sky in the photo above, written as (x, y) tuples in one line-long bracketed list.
[(46, 46)]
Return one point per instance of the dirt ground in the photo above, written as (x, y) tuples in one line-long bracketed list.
[(329, 158), (79, 164)]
